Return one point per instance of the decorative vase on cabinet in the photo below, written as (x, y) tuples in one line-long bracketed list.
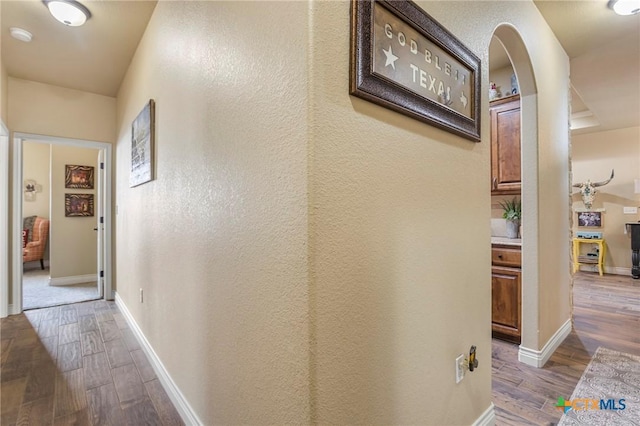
[(513, 228)]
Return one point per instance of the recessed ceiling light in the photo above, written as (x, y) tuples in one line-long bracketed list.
[(20, 34), (625, 7), (69, 12)]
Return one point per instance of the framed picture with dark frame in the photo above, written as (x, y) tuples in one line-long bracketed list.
[(142, 145), (78, 205), (404, 60), (78, 177), (590, 219)]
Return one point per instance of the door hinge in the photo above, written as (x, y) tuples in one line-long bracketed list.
[(102, 166), (101, 274), (101, 219)]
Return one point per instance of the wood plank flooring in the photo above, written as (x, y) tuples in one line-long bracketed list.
[(606, 312), (80, 363), (77, 364)]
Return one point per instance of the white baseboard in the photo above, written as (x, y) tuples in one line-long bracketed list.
[(537, 358), (77, 279), (189, 417), (615, 270), (11, 310), (488, 418)]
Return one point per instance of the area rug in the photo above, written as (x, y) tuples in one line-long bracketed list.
[(37, 293), (608, 392)]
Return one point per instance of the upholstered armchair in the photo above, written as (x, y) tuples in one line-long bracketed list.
[(34, 250)]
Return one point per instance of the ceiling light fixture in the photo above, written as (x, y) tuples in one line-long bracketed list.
[(69, 12), (20, 34), (625, 7)]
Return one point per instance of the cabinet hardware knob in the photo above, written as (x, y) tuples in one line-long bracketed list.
[(499, 256)]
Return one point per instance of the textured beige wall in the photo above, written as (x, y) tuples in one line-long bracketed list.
[(4, 83), (36, 163), (593, 157), (218, 241), (400, 232), (314, 256), (55, 111), (74, 243)]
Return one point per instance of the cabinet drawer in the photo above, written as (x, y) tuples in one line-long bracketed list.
[(506, 256)]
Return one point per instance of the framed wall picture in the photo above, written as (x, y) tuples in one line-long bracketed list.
[(590, 219), (78, 205), (404, 60), (78, 177), (142, 145)]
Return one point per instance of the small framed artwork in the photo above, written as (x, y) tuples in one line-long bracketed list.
[(590, 219), (30, 189), (142, 145), (78, 177), (78, 205)]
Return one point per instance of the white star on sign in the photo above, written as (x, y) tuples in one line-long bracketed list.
[(391, 58)]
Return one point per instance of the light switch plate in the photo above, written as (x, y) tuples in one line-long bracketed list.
[(630, 210), (460, 365)]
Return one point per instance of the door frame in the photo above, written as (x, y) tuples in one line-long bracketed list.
[(106, 149), (4, 220)]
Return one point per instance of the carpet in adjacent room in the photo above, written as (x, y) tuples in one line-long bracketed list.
[(37, 293)]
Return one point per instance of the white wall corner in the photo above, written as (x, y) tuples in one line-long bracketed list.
[(189, 416), (13, 310), (488, 418), (537, 358)]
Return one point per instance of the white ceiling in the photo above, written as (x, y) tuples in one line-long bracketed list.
[(604, 52), (92, 58), (604, 49)]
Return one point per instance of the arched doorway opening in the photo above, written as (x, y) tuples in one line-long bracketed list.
[(508, 37)]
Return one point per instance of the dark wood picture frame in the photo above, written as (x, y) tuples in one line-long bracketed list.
[(590, 219), (444, 59), (78, 177), (143, 135), (78, 205)]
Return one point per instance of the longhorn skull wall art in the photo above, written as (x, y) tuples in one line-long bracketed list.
[(588, 190)]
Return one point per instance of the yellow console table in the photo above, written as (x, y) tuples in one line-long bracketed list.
[(579, 259)]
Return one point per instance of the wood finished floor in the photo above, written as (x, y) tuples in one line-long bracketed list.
[(77, 364), (606, 312), (80, 364)]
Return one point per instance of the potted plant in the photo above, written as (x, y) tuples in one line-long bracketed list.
[(513, 214)]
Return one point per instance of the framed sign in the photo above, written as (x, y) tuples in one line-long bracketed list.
[(403, 59), (142, 145)]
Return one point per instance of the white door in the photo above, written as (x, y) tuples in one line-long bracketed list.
[(100, 221)]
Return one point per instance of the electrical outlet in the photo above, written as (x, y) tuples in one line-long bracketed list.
[(630, 210), (461, 365), (141, 298)]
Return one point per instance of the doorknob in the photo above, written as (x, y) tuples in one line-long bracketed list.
[(95, 229)]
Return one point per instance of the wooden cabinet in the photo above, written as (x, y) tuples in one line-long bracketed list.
[(506, 293), (505, 146)]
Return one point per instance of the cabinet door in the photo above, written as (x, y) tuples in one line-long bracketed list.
[(505, 303), (505, 148)]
